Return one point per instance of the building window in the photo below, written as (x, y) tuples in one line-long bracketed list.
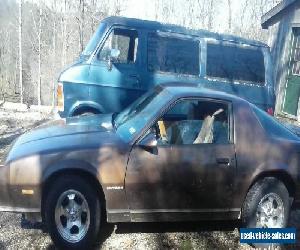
[(296, 56)]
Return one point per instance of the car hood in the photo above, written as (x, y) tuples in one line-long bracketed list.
[(65, 134)]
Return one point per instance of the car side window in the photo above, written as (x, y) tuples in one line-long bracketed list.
[(173, 54), (234, 63), (194, 122), (123, 40)]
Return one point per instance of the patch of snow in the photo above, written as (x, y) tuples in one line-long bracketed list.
[(41, 108), (14, 106)]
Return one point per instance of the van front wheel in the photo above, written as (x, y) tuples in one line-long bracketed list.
[(72, 213), (86, 111)]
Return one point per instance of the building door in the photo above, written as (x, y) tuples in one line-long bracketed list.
[(293, 83)]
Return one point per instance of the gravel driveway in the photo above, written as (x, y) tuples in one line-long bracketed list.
[(16, 233)]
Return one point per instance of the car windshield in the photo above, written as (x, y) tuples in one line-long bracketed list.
[(92, 44), (135, 108), (135, 117)]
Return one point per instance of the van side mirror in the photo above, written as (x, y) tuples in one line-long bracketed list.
[(112, 57), (149, 143)]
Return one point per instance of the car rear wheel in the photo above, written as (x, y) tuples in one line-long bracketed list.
[(266, 205), (72, 213)]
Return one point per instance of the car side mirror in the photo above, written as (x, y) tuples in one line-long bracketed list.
[(112, 57), (149, 143)]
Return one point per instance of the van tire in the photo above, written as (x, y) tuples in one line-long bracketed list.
[(86, 111), (86, 201)]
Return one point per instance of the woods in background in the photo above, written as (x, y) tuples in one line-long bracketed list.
[(39, 38)]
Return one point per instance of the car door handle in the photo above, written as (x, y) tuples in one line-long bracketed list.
[(223, 161)]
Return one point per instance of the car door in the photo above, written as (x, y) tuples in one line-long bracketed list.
[(115, 69), (178, 174)]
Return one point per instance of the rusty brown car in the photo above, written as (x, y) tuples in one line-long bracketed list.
[(179, 152)]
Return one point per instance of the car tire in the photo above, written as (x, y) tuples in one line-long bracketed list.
[(264, 194), (72, 213)]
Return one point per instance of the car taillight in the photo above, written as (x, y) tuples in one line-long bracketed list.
[(270, 111), (60, 97)]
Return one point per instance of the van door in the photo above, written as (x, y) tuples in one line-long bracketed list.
[(171, 58), (114, 72)]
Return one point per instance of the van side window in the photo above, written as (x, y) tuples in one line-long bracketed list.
[(174, 55), (126, 41), (235, 63)]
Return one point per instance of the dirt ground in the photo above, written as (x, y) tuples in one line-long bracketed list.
[(16, 233)]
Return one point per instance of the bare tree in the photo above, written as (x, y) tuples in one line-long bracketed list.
[(211, 15), (40, 52), (80, 20), (20, 52), (229, 15)]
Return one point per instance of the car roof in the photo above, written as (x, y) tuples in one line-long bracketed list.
[(181, 89), (154, 25)]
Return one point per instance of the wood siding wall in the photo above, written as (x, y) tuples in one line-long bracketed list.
[(280, 38)]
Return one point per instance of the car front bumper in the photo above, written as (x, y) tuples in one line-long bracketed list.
[(18, 196)]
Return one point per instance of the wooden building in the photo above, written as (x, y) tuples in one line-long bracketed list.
[(283, 23)]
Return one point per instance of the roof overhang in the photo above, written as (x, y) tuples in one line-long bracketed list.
[(273, 14)]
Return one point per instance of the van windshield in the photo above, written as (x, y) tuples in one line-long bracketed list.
[(92, 44)]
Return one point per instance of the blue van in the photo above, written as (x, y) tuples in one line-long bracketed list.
[(126, 57)]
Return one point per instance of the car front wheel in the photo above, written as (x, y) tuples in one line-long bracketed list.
[(266, 205), (72, 213)]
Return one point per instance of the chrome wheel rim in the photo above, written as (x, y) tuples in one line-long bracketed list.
[(72, 216), (270, 212)]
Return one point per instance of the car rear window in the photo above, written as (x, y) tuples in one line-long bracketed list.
[(272, 126), (235, 63), (172, 54)]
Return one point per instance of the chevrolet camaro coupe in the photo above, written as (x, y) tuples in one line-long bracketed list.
[(179, 152)]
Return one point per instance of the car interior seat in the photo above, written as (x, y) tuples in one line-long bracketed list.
[(206, 132)]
